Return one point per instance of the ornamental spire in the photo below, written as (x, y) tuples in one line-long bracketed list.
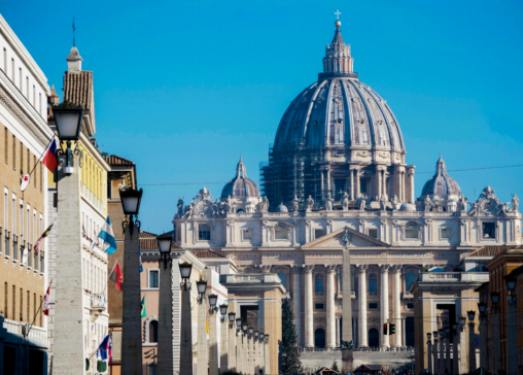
[(337, 60)]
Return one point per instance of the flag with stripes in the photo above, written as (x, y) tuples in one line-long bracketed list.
[(107, 236)]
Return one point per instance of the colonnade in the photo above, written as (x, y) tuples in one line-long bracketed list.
[(390, 306)]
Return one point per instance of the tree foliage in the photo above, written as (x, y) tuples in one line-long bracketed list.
[(289, 354)]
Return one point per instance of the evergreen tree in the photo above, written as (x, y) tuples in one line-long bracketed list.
[(289, 355)]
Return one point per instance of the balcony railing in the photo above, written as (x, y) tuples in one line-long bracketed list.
[(454, 276), (37, 335)]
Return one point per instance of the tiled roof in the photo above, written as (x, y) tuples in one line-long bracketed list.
[(148, 241), (77, 88), (115, 160)]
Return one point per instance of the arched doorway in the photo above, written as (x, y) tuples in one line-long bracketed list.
[(374, 338), (319, 338)]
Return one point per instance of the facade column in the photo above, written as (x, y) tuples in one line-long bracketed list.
[(186, 354), (429, 353), (396, 307), (352, 190), (202, 356), (213, 344), (357, 188), (384, 305), (225, 362), (297, 300), (410, 187), (308, 304), (331, 307), (362, 303)]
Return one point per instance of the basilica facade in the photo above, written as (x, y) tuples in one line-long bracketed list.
[(338, 167)]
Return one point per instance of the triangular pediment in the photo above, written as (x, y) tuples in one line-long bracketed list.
[(334, 240)]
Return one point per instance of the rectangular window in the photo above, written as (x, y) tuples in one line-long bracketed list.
[(28, 158), (41, 173), (489, 230), (20, 79), (13, 213), (153, 282), (4, 64), (15, 247), (444, 233), (373, 232), (6, 209), (6, 146), (319, 306), (21, 312), (6, 299), (319, 232), (7, 244), (21, 158), (34, 307), (28, 306), (13, 300), (34, 96), (204, 232), (281, 232), (26, 86), (12, 69), (246, 234), (14, 152), (373, 305)]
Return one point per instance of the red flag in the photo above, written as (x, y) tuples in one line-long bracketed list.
[(116, 276), (47, 302), (50, 159)]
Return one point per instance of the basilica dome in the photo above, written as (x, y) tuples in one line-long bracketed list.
[(338, 140), (338, 110), (240, 187), (441, 187)]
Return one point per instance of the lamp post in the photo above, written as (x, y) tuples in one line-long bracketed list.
[(69, 329), (165, 313), (224, 358), (231, 351), (495, 322), (471, 314), (458, 346), (437, 352), (202, 347), (213, 344), (483, 335), (186, 358), (131, 324), (346, 348), (429, 353), (511, 316)]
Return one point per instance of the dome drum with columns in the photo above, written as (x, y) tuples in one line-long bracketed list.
[(338, 139)]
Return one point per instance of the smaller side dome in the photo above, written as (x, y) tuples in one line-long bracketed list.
[(240, 187), (441, 191)]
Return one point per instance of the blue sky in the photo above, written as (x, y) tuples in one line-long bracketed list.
[(185, 87)]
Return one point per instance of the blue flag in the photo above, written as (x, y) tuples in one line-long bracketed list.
[(107, 236), (105, 351)]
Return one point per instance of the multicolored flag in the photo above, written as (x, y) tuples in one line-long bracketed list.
[(47, 301), (116, 276), (39, 242), (50, 159), (107, 236), (105, 350), (143, 312)]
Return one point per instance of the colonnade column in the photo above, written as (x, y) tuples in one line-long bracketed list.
[(297, 302), (331, 307), (410, 186), (308, 304), (396, 307), (362, 304), (384, 304)]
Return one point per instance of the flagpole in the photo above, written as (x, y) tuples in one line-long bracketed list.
[(26, 335), (40, 157)]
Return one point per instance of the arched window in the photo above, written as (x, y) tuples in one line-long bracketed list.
[(319, 338), (412, 230), (410, 278), (153, 331), (373, 284), (319, 284)]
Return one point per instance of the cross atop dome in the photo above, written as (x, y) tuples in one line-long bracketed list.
[(337, 60)]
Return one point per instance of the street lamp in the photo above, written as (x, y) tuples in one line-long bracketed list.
[(185, 273), (482, 307), (68, 119), (131, 199), (164, 245), (201, 287), (471, 314), (511, 287), (232, 318), (223, 310), (238, 324), (213, 300)]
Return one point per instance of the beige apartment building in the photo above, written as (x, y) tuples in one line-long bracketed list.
[(24, 135)]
